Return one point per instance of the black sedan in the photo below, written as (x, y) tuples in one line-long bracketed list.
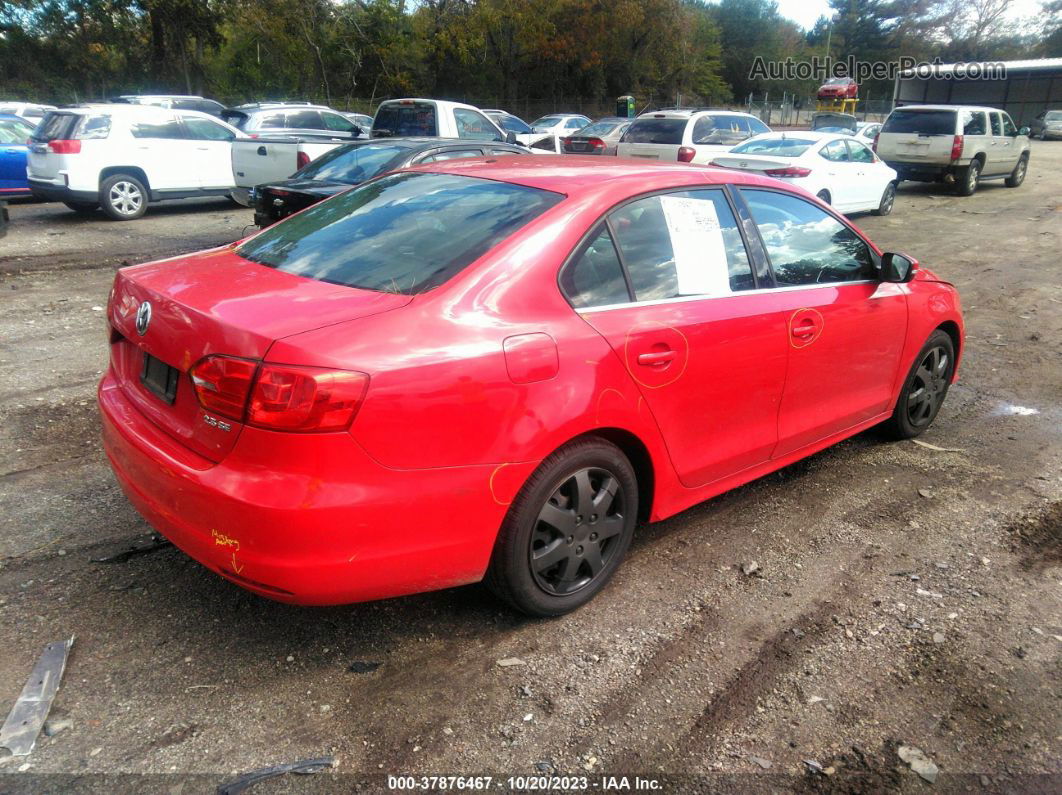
[(354, 163)]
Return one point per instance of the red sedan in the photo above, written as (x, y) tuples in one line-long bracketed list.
[(839, 88), (493, 369)]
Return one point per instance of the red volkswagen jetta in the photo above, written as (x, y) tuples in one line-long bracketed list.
[(494, 368)]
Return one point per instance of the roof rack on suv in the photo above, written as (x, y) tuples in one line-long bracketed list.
[(276, 104)]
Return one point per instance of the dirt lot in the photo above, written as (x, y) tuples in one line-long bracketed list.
[(905, 594)]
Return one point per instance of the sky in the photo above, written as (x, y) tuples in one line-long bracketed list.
[(805, 12)]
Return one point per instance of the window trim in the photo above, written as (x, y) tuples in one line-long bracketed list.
[(604, 219), (874, 255)]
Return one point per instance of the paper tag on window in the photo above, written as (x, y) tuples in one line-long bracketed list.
[(697, 240)]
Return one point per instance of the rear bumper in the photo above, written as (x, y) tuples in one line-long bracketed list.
[(921, 172), (60, 192), (305, 518)]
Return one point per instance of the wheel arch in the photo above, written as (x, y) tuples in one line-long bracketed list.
[(951, 328), (133, 171), (641, 460)]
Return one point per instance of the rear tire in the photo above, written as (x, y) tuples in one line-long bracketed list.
[(1017, 176), (967, 179), (567, 530), (924, 389), (123, 197), (888, 198), (83, 208)]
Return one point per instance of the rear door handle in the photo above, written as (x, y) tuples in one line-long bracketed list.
[(656, 358)]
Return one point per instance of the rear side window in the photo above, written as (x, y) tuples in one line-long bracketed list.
[(333, 121), (681, 244), (93, 127), (236, 119), (858, 153), (158, 127), (655, 131), (404, 233), (921, 122), (595, 276), (806, 245), (304, 120), (510, 123), (835, 152), (271, 121), (405, 120), (973, 123)]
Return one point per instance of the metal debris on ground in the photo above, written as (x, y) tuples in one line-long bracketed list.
[(27, 716), (156, 543), (509, 662), (929, 446), (363, 666), (918, 762), (248, 780)]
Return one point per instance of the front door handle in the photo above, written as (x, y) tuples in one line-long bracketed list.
[(804, 328), (656, 358)]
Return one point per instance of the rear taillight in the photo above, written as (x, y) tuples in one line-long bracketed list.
[(65, 147), (596, 143), (874, 145), (956, 147), (788, 171), (279, 397), (686, 154), (301, 159), (566, 141), (222, 384), (289, 398)]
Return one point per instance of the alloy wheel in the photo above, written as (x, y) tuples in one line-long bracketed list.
[(125, 197), (929, 387), (577, 531)]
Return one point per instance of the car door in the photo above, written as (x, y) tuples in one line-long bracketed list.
[(13, 151), (845, 327), (870, 179), (213, 152), (996, 154), (1010, 148), (667, 280), (842, 179), (163, 151)]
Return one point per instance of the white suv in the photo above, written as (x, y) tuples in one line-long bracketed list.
[(688, 136), (120, 157)]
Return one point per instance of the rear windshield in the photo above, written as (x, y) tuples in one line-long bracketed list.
[(404, 120), (405, 233), (353, 164), (655, 131), (600, 129), (56, 127), (777, 147), (923, 122), (235, 118)]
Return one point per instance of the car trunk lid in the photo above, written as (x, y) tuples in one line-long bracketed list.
[(758, 163), (211, 303), (917, 135)]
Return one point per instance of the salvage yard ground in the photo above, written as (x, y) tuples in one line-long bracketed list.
[(896, 593)]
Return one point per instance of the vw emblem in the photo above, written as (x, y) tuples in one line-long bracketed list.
[(143, 318)]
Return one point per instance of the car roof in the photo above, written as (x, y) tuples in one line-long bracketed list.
[(575, 175), (690, 114), (948, 107), (13, 117), (428, 142), (445, 103)]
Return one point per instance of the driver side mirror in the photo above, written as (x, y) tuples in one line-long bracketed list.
[(898, 268), (1023, 131), (510, 137)]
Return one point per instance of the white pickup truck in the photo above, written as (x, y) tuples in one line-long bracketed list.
[(258, 160)]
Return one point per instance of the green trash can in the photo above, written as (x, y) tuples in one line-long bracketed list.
[(625, 107)]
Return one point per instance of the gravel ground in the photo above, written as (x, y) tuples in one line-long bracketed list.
[(903, 595)]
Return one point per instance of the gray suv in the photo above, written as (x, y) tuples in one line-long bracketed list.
[(269, 118), (960, 144)]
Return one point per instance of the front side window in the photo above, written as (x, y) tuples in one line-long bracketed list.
[(405, 233), (333, 121), (158, 127), (270, 121), (1008, 126), (681, 244), (204, 130), (595, 276), (471, 124), (510, 123), (806, 245)]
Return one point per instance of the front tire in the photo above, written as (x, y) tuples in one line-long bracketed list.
[(968, 178), (567, 530), (1017, 176), (924, 389), (888, 199), (123, 197)]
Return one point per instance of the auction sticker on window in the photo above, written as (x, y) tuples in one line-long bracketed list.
[(697, 241)]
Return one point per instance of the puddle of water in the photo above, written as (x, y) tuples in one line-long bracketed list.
[(1020, 411)]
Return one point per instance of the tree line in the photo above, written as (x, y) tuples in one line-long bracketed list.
[(507, 53)]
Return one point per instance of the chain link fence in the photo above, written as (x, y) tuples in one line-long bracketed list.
[(794, 111)]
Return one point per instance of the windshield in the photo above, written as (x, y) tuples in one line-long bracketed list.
[(547, 121), (655, 131), (14, 132), (777, 147), (923, 122), (600, 129), (405, 233), (353, 163), (837, 81)]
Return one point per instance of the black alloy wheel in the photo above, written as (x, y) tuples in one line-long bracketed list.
[(924, 389)]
